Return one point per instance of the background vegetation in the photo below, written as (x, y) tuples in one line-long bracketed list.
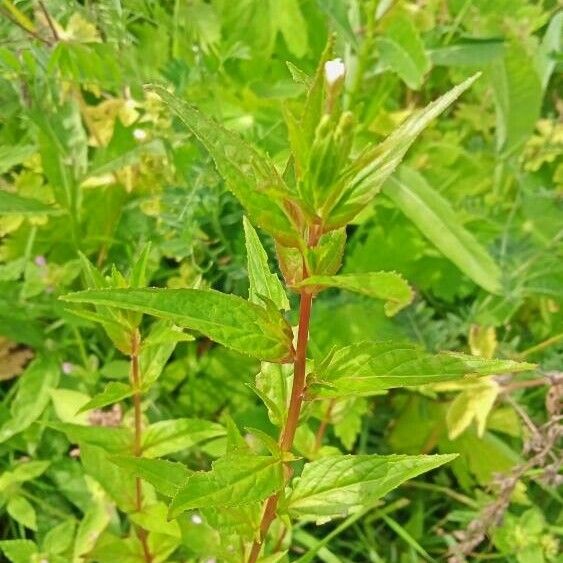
[(91, 163)]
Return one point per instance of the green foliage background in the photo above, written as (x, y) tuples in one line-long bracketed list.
[(92, 163)]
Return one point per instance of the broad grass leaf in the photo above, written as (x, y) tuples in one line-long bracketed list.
[(546, 56), (368, 367), (389, 286), (518, 96), (292, 25), (169, 436), (233, 481), (402, 50), (370, 170), (333, 486), (165, 476), (262, 281), (470, 52), (252, 177), (227, 319), (435, 218)]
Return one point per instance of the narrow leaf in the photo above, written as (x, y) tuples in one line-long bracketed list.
[(169, 436), (227, 319), (252, 177), (165, 476), (262, 281), (388, 286), (113, 393), (335, 485), (437, 221), (13, 204), (375, 165), (369, 367), (233, 481)]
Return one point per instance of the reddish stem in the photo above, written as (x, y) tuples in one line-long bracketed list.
[(295, 403)]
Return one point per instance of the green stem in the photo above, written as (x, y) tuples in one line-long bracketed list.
[(138, 435)]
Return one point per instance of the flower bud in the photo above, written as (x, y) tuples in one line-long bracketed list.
[(334, 72)]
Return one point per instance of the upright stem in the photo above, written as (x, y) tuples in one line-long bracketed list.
[(295, 403), (138, 435)]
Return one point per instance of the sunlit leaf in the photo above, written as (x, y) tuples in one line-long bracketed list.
[(227, 319)]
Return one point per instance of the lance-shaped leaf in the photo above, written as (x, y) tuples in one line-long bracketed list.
[(227, 319), (333, 486), (165, 476), (13, 204), (168, 436), (369, 367), (113, 393), (252, 177), (437, 221), (388, 286), (233, 481), (375, 165), (262, 281)]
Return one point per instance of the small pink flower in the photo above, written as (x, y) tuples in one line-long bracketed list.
[(40, 261)]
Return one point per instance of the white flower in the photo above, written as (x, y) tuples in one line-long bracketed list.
[(139, 134), (334, 71)]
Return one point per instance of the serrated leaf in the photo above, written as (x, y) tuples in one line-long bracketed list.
[(233, 481), (13, 204), (113, 393), (402, 50), (437, 221), (252, 177), (375, 165), (262, 281), (388, 286), (169, 436), (367, 367), (165, 476), (333, 486), (227, 319)]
